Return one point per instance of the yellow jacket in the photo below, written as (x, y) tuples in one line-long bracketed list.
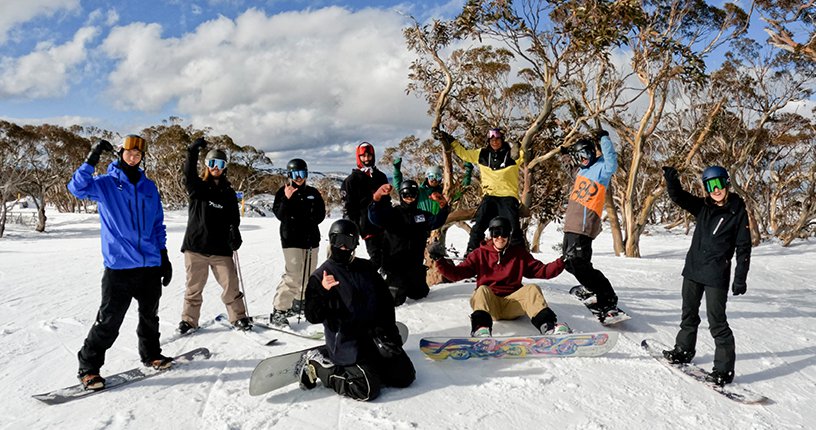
[(500, 173)]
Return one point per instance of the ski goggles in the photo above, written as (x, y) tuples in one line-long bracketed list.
[(434, 177), (132, 141), (409, 194), (494, 132), (714, 183), (215, 163), (344, 241), (296, 174), (499, 232)]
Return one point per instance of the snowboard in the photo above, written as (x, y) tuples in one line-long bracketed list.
[(279, 371), (540, 346), (263, 321), (74, 392), (734, 392), (256, 337), (587, 298)]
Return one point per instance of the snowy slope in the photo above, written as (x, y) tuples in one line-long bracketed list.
[(50, 294)]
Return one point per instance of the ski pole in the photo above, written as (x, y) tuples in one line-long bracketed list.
[(307, 261), (240, 281)]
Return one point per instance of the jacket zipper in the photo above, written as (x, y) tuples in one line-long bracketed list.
[(718, 226)]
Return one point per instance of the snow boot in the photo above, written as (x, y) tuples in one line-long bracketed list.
[(279, 318), (308, 366), (720, 378), (243, 324), (159, 363), (678, 355), (92, 381), (185, 328)]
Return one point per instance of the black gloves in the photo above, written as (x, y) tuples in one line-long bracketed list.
[(235, 240), (436, 250), (198, 145), (738, 288), (397, 163), (599, 133), (670, 173), (101, 146), (442, 136), (389, 345), (166, 269)]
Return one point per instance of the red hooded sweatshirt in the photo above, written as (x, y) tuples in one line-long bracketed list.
[(500, 271)]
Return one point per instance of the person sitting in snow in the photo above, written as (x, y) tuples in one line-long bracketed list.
[(134, 247), (721, 228), (499, 268), (363, 350), (407, 228)]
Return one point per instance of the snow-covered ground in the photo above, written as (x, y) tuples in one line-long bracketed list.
[(50, 294)]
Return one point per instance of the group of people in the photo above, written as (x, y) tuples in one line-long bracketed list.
[(355, 298)]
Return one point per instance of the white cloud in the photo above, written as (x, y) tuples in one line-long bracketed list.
[(63, 121), (14, 12), (287, 82), (46, 71)]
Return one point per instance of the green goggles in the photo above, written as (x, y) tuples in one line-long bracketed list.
[(714, 183)]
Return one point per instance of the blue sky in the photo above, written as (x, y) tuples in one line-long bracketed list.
[(297, 79)]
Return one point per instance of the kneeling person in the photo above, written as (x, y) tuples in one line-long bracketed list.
[(363, 350)]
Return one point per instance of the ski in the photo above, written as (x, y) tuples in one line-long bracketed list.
[(279, 371), (263, 321), (588, 299), (75, 392), (734, 392), (540, 346), (256, 337)]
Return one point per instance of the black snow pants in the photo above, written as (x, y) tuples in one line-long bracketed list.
[(490, 208), (580, 265), (724, 349), (364, 381)]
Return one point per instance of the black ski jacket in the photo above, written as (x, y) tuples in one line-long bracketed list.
[(720, 231), (407, 229), (212, 210), (352, 311), (299, 217), (357, 193)]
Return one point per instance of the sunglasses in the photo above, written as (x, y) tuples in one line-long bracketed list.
[(714, 183), (134, 142), (215, 163), (295, 174), (499, 232), (494, 132)]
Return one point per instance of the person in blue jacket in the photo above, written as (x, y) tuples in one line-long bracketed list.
[(135, 255)]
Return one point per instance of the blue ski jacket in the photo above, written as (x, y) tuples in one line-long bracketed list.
[(132, 218)]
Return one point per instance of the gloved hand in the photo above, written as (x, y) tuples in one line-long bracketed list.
[(384, 190), (166, 268), (100, 147), (198, 145), (570, 252), (468, 173), (599, 133), (439, 198), (235, 240), (389, 344), (397, 163), (738, 288), (442, 136), (436, 250), (670, 174)]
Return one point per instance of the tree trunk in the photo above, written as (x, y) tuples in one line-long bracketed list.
[(535, 244), (614, 222)]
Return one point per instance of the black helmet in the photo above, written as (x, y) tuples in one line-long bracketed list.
[(344, 232), (500, 226), (296, 164), (408, 188), (584, 149)]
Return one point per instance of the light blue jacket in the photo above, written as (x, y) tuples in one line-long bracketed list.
[(132, 218)]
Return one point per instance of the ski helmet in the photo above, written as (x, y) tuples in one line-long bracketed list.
[(133, 141), (500, 226), (408, 188), (715, 177), (216, 158), (495, 132), (344, 233), (434, 173), (297, 168), (584, 149), (365, 148)]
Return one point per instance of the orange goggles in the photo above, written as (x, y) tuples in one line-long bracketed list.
[(132, 141)]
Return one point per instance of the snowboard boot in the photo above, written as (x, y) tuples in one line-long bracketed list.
[(582, 293), (297, 307), (159, 363), (559, 328), (307, 368), (243, 324), (678, 355), (720, 378), (544, 321), (481, 322), (482, 332), (185, 328), (279, 318), (92, 381)]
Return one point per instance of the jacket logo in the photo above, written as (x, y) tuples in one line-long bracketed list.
[(215, 205), (419, 218)]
